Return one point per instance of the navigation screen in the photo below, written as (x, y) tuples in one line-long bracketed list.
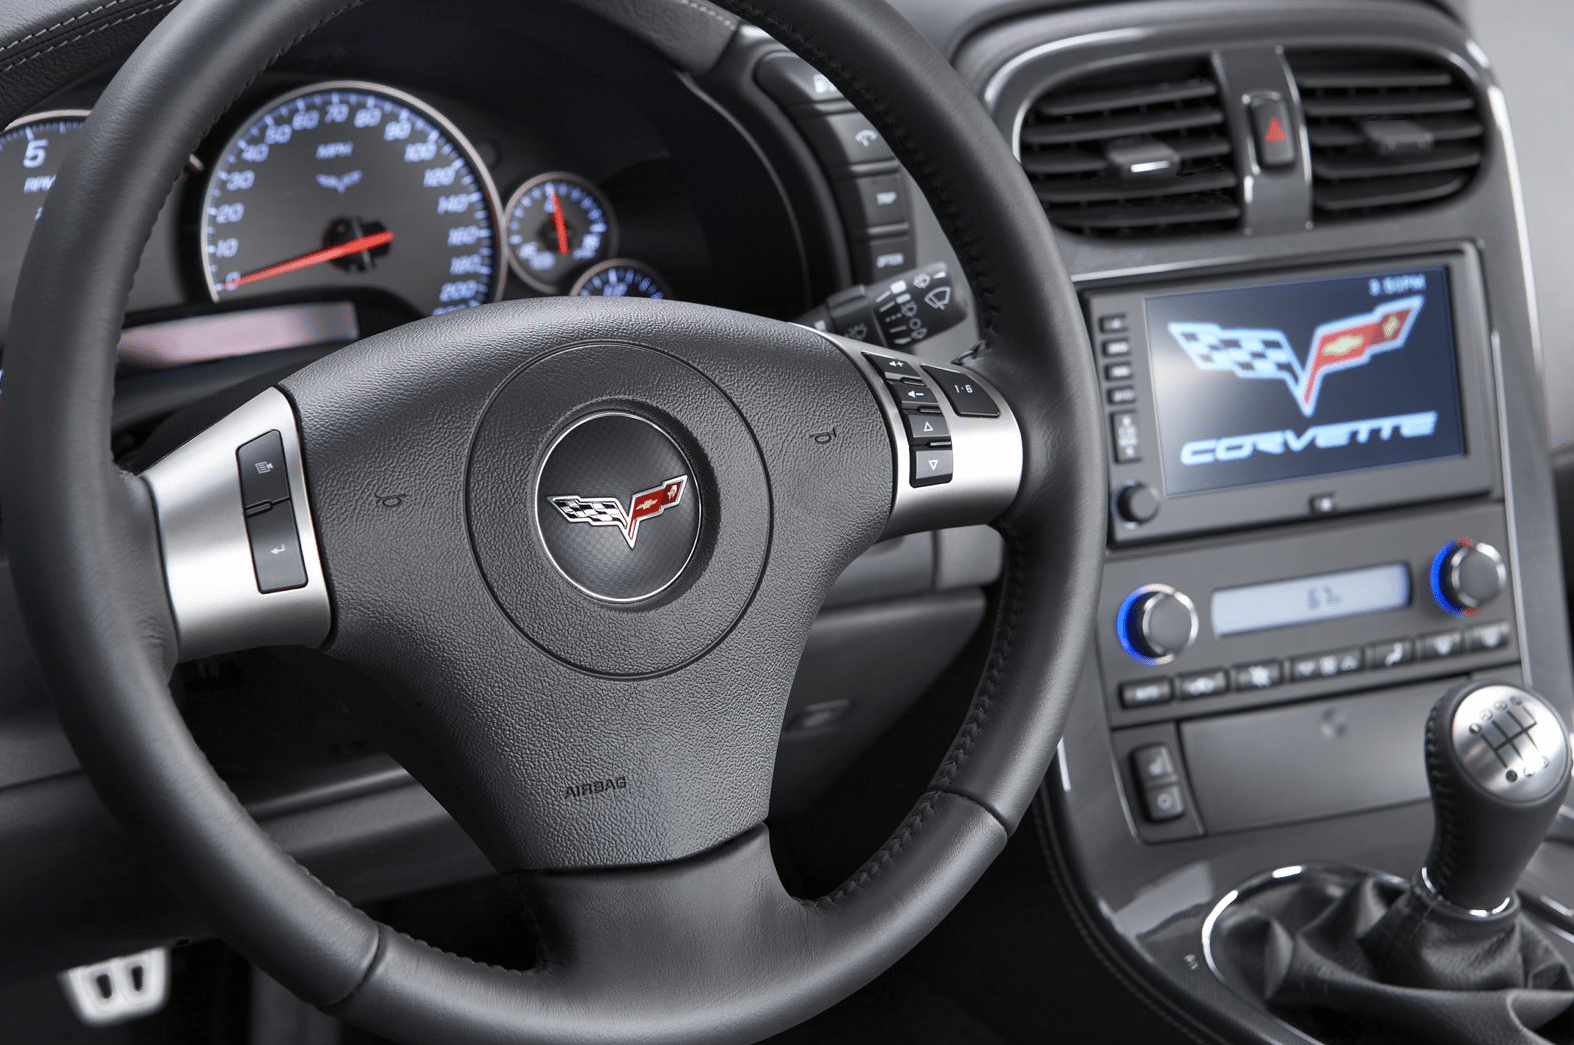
[(1309, 377)]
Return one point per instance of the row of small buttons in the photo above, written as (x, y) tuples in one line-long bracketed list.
[(1125, 436), (1154, 765), (270, 515), (869, 187), (926, 428), (1270, 673)]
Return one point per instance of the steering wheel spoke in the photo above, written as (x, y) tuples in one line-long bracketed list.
[(241, 562), (956, 446)]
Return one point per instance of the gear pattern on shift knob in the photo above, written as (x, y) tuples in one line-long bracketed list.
[(1511, 743)]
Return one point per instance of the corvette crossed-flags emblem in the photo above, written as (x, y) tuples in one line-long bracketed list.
[(609, 511)]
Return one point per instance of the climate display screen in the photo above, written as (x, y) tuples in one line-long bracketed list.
[(1276, 381)]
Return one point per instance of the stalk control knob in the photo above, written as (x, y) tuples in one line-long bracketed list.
[(1466, 575), (1155, 623)]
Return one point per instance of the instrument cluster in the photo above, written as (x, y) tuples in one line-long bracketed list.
[(349, 189)]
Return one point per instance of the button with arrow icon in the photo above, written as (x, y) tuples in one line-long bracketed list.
[(931, 467)]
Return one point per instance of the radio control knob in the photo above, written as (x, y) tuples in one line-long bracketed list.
[(1156, 623), (1136, 503), (1466, 575)]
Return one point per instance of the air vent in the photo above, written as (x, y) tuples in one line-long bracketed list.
[(1143, 150), (1388, 131)]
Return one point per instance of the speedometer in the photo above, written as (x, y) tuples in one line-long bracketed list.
[(351, 186)]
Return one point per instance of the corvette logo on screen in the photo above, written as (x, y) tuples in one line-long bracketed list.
[(608, 511), (1337, 345)]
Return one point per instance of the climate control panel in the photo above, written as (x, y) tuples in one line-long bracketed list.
[(1237, 622)]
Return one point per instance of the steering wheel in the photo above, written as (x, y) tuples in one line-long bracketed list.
[(602, 719)]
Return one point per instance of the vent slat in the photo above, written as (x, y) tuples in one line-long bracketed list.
[(1180, 216), (1083, 102), (1387, 130), (1108, 190), (1063, 162), (1079, 140), (1366, 79), (1386, 104), (1345, 197), (1336, 167), (1134, 125)]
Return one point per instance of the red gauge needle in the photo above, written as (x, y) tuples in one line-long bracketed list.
[(316, 257), (557, 220)]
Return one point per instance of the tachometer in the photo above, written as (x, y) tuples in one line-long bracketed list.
[(557, 225), (31, 152), (351, 185)]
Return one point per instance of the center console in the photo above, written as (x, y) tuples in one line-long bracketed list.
[(1302, 270), (1355, 401)]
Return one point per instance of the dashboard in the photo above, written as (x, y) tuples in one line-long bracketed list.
[(1299, 246)]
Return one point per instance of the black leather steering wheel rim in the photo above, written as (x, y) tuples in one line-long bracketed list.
[(85, 558)]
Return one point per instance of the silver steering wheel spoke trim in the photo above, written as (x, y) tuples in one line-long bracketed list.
[(209, 571)]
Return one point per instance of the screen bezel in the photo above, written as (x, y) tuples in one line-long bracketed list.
[(1474, 472)]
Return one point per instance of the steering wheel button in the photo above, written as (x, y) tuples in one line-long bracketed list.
[(276, 549), (793, 82), (891, 367), (847, 139), (931, 467), (967, 396), (873, 202), (264, 479), (926, 429), (881, 258), (914, 396)]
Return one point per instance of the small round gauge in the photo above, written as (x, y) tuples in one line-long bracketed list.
[(621, 278), (557, 224), (31, 152), (350, 185)]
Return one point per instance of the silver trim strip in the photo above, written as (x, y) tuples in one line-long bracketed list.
[(198, 339), (1510, 515), (1499, 105), (986, 454), (208, 567)]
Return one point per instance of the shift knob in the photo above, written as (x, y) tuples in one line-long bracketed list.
[(1497, 761)]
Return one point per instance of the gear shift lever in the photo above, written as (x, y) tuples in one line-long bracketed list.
[(1497, 761)]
